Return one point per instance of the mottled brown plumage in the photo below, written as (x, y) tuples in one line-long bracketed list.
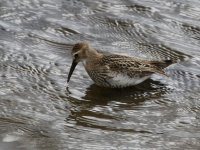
[(114, 70)]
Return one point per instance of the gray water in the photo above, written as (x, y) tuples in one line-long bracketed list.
[(38, 112)]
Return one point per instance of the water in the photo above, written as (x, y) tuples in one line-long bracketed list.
[(37, 111)]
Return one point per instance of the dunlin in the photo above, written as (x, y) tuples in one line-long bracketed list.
[(113, 70)]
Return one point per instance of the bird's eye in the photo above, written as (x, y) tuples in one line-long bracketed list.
[(76, 56)]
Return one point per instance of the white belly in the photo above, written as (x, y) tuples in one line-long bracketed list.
[(120, 80)]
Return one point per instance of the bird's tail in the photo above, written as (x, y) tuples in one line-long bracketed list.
[(162, 64)]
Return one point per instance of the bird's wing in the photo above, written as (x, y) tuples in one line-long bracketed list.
[(130, 66)]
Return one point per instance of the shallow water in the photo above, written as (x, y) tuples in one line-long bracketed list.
[(37, 111)]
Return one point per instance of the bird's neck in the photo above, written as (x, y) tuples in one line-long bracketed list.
[(93, 54), (92, 57)]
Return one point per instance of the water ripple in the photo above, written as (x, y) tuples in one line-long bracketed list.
[(38, 106)]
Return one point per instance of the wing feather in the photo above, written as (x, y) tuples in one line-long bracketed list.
[(131, 66)]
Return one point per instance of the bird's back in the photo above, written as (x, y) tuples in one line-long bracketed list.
[(120, 63)]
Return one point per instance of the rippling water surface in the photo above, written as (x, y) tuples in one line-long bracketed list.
[(37, 112)]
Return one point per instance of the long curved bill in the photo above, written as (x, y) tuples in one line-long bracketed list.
[(73, 66)]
